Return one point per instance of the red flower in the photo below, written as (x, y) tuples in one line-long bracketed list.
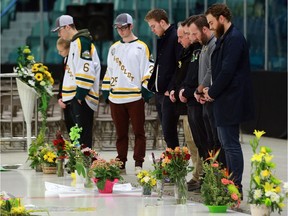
[(187, 157)]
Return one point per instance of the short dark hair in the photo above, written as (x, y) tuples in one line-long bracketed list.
[(157, 14), (192, 19), (201, 22), (216, 10)]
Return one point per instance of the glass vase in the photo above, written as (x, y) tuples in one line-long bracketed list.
[(88, 182), (160, 188), (146, 190), (60, 167), (180, 190)]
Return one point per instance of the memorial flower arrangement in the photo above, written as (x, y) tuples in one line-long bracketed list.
[(176, 162), (48, 156), (265, 187), (146, 179), (103, 170), (60, 146), (84, 156), (217, 188), (37, 76)]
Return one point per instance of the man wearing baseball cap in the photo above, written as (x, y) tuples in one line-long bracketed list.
[(80, 86), (125, 83)]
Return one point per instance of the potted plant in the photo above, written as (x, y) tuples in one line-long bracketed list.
[(147, 180), (48, 158), (265, 188), (175, 164), (218, 190), (106, 173)]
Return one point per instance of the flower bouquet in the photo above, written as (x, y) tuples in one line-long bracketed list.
[(176, 165), (265, 188), (84, 156), (106, 173), (147, 180), (60, 147), (48, 158), (35, 76), (217, 189)]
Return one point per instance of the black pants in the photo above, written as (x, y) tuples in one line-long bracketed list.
[(68, 118), (83, 115), (196, 123), (167, 112)]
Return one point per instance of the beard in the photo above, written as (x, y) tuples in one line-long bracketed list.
[(219, 31)]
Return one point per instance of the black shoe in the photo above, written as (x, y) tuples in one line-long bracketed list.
[(194, 187)]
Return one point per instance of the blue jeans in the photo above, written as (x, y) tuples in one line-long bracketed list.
[(229, 138), (167, 112)]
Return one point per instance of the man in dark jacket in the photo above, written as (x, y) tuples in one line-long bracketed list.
[(231, 88), (168, 50)]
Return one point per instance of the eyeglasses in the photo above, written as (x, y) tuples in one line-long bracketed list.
[(122, 28)]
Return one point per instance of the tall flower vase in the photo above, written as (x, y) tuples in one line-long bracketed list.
[(88, 182), (160, 188), (260, 210), (146, 190), (27, 96), (180, 190), (60, 167)]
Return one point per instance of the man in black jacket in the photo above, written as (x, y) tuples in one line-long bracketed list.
[(231, 88), (168, 50)]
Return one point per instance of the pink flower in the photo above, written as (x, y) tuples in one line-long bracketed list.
[(234, 196), (225, 181), (215, 165)]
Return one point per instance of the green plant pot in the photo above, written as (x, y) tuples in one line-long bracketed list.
[(217, 209)]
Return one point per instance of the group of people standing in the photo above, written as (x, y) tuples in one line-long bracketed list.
[(201, 71)]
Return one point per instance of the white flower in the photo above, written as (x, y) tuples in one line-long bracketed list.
[(31, 82), (275, 197), (257, 194), (146, 179), (42, 83)]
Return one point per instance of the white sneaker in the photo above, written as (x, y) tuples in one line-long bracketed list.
[(138, 169)]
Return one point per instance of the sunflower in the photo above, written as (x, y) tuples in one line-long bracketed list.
[(38, 77)]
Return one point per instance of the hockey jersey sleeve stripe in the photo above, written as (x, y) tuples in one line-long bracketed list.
[(146, 48), (84, 85), (105, 87), (69, 88), (85, 76), (80, 79)]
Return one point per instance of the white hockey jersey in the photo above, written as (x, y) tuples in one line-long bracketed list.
[(82, 73), (129, 68)]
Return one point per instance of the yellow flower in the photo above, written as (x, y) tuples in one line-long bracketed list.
[(30, 57), (38, 77), (18, 210), (34, 69), (51, 80), (258, 134), (278, 189), (265, 173), (268, 186), (26, 51), (177, 150), (263, 150), (256, 157), (268, 158)]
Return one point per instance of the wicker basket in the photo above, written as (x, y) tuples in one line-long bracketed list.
[(49, 170)]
